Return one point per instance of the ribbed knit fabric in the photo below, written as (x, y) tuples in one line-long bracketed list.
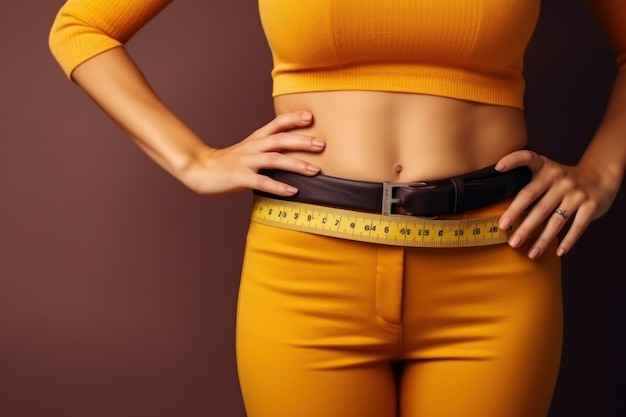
[(85, 28), (466, 49)]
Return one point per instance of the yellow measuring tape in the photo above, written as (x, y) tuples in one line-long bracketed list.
[(378, 228)]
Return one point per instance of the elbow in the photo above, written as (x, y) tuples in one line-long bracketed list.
[(71, 41), (56, 44), (66, 42)]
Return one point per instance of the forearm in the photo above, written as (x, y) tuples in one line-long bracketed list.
[(606, 153), (117, 85)]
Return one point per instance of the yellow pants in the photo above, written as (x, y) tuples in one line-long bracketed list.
[(335, 328)]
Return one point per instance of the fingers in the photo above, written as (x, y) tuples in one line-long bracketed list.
[(272, 160), (540, 201), (266, 184), (558, 197), (267, 153), (276, 160), (276, 137), (575, 209), (544, 223), (528, 195), (284, 122), (286, 141), (583, 218), (554, 224), (268, 148), (517, 159)]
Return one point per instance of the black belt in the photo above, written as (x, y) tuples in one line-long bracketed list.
[(423, 198)]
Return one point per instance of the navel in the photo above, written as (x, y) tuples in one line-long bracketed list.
[(398, 169)]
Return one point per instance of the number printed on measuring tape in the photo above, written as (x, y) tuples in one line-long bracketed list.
[(378, 228)]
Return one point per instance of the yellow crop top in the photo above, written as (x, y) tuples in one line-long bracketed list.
[(466, 49)]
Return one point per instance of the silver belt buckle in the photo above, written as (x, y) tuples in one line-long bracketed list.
[(389, 200)]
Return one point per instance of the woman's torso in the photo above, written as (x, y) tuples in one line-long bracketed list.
[(403, 90)]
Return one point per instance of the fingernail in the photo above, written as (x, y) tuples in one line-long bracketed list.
[(292, 190), (505, 223), (312, 168), (560, 252), (500, 166), (534, 253), (515, 241), (306, 116), (318, 143)]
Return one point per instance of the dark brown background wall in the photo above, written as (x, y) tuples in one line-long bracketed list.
[(118, 286)]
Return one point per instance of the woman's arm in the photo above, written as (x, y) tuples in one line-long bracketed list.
[(609, 143), (87, 38), (116, 84), (587, 190)]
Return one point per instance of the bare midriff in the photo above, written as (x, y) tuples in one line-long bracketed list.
[(385, 136)]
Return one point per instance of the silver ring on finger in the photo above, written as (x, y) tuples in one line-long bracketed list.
[(562, 212)]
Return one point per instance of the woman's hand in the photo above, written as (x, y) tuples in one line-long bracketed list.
[(556, 195), (218, 171)]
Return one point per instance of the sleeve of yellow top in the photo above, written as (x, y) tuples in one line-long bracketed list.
[(85, 28), (612, 17)]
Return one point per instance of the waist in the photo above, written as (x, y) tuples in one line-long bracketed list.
[(430, 198), (383, 136)]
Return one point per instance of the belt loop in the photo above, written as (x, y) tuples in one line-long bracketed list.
[(459, 194)]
